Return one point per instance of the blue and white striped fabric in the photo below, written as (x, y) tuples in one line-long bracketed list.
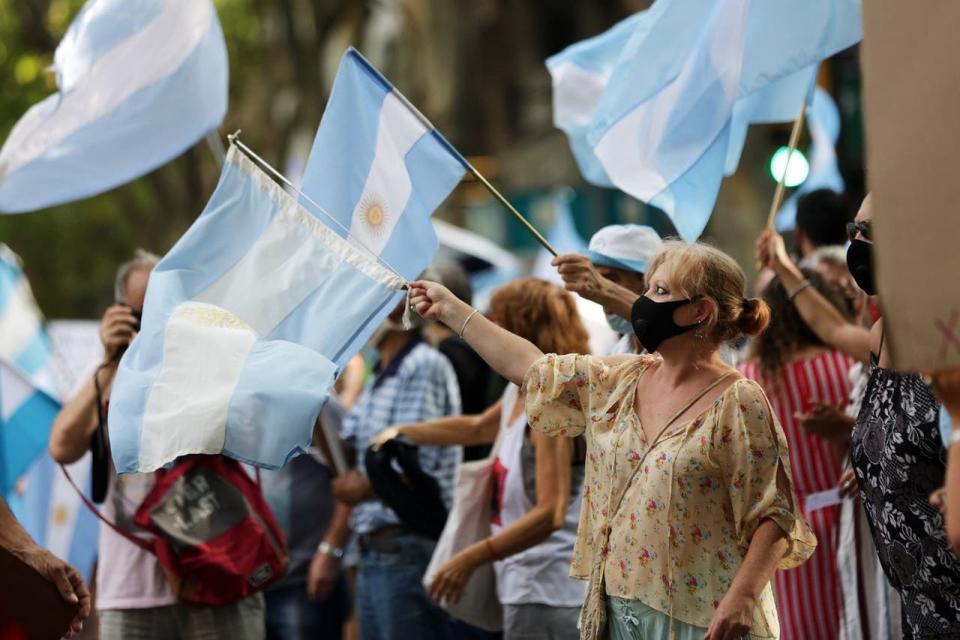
[(23, 341), (659, 105), (26, 415), (246, 323), (380, 169), (27, 408), (55, 517), (823, 121), (139, 81)]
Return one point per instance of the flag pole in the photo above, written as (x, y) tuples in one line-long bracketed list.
[(509, 207), (473, 171), (781, 185)]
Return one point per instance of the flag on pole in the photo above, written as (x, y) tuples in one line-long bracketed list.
[(55, 517), (23, 341), (26, 415), (138, 82), (671, 92), (823, 121), (380, 168), (246, 324), (52, 512)]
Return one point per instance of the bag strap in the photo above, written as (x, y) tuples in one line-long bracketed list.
[(663, 430), (89, 504)]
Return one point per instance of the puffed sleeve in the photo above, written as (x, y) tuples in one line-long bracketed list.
[(751, 450), (561, 390)]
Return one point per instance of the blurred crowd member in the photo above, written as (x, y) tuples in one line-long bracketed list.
[(349, 385), (537, 480), (800, 374), (312, 601), (688, 504), (616, 260), (822, 218), (947, 386), (61, 575), (412, 382), (473, 374), (831, 263), (896, 448), (134, 599)]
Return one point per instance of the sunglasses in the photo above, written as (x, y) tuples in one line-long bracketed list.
[(863, 228)]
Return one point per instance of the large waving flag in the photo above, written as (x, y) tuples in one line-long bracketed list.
[(380, 169), (246, 323), (823, 121), (52, 512), (664, 99), (26, 414), (138, 81), (27, 408)]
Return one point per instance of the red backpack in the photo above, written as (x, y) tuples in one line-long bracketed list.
[(214, 534)]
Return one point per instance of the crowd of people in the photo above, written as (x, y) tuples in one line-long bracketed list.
[(734, 466)]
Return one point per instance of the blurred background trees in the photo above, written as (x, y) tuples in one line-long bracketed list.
[(474, 67)]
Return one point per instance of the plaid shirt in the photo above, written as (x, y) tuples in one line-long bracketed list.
[(416, 386)]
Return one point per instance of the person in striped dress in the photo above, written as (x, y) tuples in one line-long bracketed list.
[(799, 374)]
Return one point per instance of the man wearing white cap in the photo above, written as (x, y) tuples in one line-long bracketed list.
[(612, 274)]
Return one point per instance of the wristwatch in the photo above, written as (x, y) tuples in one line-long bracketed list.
[(329, 550)]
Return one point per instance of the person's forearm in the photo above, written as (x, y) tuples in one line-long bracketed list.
[(953, 490), (616, 299), (77, 421), (824, 319), (767, 547), (13, 537), (509, 355), (338, 533), (447, 432)]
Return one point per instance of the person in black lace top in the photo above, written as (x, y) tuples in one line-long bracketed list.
[(896, 447)]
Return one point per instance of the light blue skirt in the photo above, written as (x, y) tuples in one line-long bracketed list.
[(633, 620)]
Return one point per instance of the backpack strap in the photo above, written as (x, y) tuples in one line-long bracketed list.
[(90, 505)]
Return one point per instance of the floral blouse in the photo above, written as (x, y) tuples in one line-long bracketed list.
[(687, 518)]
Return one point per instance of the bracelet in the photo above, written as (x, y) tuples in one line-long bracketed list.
[(954, 437), (466, 322), (493, 553), (328, 549), (803, 285)]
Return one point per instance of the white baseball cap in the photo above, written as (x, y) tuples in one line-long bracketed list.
[(624, 246)]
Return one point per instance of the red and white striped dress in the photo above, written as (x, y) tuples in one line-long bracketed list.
[(809, 598)]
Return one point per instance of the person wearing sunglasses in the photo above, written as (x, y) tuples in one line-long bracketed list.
[(896, 447)]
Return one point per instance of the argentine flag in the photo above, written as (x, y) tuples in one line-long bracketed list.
[(138, 82), (26, 414), (380, 169), (27, 405), (246, 324), (659, 106)]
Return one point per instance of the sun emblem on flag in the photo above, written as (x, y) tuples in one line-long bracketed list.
[(374, 214), (60, 515)]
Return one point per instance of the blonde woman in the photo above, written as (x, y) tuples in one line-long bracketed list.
[(688, 503)]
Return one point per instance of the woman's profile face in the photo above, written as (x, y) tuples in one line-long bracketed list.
[(660, 288)]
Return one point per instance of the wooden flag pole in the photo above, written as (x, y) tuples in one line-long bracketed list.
[(509, 207), (781, 185)]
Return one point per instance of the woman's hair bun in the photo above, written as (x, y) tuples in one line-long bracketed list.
[(754, 317)]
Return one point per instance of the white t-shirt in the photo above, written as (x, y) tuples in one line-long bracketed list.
[(127, 576)]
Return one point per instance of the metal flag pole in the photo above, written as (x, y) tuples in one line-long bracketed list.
[(781, 185), (476, 174)]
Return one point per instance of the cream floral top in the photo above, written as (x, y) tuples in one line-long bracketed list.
[(686, 520)]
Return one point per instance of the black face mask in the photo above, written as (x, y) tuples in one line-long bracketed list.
[(653, 321), (860, 264)]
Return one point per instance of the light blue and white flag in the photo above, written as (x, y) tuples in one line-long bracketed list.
[(667, 118), (562, 236), (246, 323), (139, 81), (26, 415), (380, 169), (823, 122), (23, 342), (55, 517)]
